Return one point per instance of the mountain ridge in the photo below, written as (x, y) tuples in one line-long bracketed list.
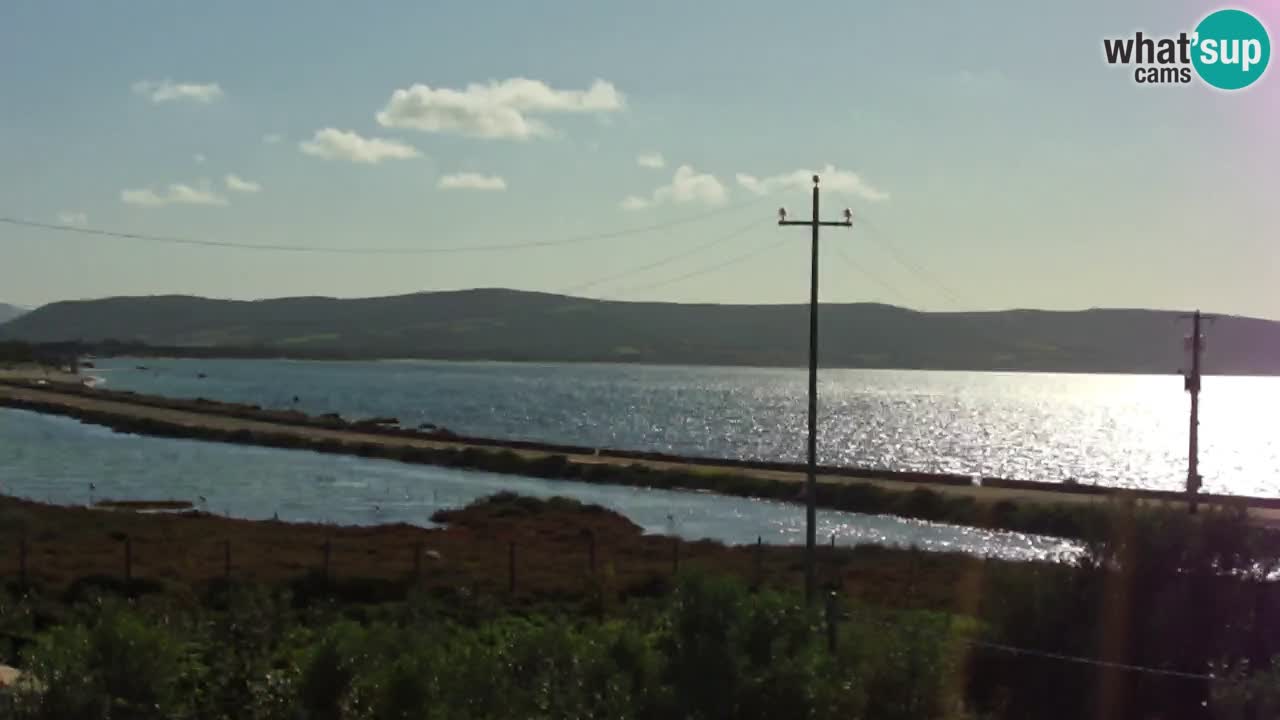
[(502, 324)]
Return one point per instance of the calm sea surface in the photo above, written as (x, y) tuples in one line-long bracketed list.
[(1122, 430), (53, 458)]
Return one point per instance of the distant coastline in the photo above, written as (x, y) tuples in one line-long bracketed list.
[(140, 351), (499, 325)]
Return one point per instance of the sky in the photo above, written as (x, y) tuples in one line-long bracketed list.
[(991, 157)]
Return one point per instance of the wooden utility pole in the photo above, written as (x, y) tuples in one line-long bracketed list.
[(811, 480), (1195, 343)]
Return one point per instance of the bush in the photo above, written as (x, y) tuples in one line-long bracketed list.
[(1242, 694), (329, 670), (120, 666), (1181, 592)]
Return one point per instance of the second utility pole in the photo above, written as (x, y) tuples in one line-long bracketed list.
[(811, 479), (1192, 385)]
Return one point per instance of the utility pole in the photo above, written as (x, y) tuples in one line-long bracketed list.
[(811, 479), (1191, 383)]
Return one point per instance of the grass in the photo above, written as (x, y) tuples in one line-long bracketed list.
[(71, 549)]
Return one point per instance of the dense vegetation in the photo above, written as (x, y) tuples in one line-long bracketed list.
[(1156, 590), (710, 650), (20, 353), (512, 325)]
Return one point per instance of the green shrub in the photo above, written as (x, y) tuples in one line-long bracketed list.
[(1245, 694), (329, 670), (119, 666)]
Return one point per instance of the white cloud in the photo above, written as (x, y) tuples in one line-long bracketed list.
[(498, 109), (199, 158), (334, 144), (73, 217), (272, 138), (635, 202), (169, 91), (689, 185), (686, 186), (175, 194), (833, 180), (471, 181), (651, 160), (235, 183)]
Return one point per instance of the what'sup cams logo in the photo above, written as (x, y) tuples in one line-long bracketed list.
[(1228, 50)]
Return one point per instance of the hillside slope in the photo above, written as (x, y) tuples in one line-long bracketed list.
[(9, 312), (515, 325)]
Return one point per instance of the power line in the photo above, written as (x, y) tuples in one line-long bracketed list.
[(929, 278), (1090, 661), (911, 265), (275, 247), (664, 261), (1002, 318), (701, 271), (892, 624), (881, 282)]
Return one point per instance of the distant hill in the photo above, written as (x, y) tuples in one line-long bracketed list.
[(9, 312), (525, 326)]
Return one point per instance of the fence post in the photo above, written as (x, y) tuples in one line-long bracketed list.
[(128, 560), (417, 562), (913, 565), (591, 552), (328, 550), (511, 567), (831, 621), (675, 556), (22, 562), (226, 560), (1261, 651), (759, 561)]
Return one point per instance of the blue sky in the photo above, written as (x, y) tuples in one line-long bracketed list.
[(987, 142)]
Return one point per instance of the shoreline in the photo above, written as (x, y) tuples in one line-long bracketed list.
[(1020, 506), (275, 353), (35, 373), (177, 354)]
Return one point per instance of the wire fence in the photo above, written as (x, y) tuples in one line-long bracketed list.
[(323, 575)]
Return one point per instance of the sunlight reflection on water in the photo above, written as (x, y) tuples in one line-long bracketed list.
[(54, 459), (1122, 430)]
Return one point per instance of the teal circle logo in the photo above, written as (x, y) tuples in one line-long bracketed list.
[(1231, 49)]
